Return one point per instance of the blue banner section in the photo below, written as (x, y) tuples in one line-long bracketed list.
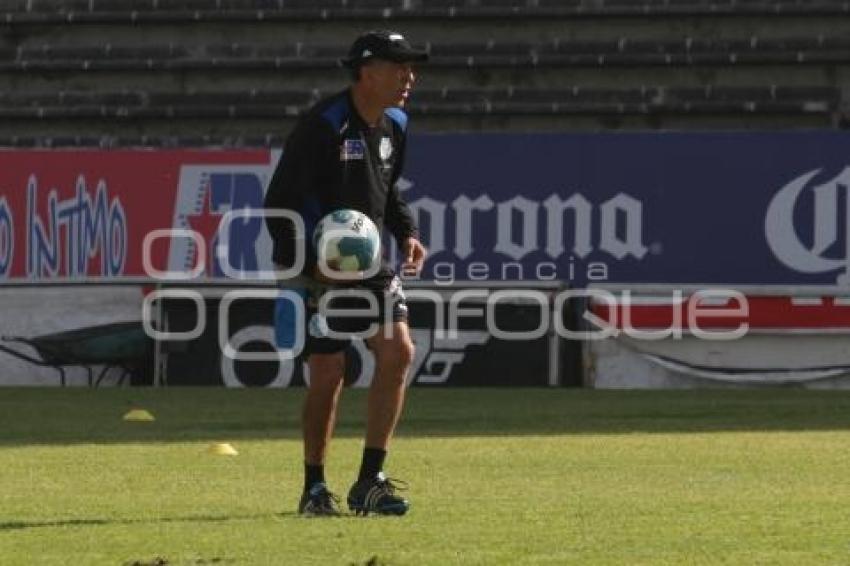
[(671, 208)]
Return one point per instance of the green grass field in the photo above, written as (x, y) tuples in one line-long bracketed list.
[(497, 477)]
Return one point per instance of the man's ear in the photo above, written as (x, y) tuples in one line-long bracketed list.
[(366, 73)]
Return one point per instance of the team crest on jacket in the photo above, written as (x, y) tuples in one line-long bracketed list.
[(352, 149), (385, 149)]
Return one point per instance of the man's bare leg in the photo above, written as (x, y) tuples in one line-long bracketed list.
[(319, 411), (393, 356), (317, 420)]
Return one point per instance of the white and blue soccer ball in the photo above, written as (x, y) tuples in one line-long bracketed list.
[(347, 240)]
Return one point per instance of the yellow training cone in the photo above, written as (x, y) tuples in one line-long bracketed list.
[(223, 449), (139, 415)]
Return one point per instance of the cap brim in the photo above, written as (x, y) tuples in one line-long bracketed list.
[(406, 56), (411, 56)]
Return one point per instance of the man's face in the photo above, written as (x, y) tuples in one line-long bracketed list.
[(389, 83)]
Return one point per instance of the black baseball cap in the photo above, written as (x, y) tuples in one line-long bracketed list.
[(385, 45)]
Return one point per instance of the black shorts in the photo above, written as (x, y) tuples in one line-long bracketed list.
[(387, 304)]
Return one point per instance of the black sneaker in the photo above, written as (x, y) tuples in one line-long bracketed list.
[(318, 501), (377, 496)]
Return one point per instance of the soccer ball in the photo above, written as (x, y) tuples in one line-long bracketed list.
[(347, 240)]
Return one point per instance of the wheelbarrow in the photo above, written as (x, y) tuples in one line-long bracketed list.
[(123, 345)]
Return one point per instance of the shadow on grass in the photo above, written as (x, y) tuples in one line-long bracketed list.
[(13, 525), (21, 525), (68, 416)]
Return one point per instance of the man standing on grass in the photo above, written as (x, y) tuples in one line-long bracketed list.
[(347, 151)]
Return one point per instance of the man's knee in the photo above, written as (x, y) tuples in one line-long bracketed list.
[(406, 351), (397, 352), (400, 355)]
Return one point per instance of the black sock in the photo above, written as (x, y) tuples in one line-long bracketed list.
[(372, 464), (313, 474)]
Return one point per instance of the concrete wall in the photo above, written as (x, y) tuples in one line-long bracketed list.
[(756, 360)]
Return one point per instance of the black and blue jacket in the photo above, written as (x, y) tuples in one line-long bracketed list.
[(331, 160)]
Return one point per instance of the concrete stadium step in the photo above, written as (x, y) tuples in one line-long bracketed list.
[(237, 56), (260, 133), (282, 104), (290, 31), (434, 78), (53, 11)]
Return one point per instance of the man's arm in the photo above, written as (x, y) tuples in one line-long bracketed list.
[(294, 186), (397, 216), (399, 220)]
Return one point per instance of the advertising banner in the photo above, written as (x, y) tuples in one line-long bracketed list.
[(671, 208), (73, 214), (658, 208)]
